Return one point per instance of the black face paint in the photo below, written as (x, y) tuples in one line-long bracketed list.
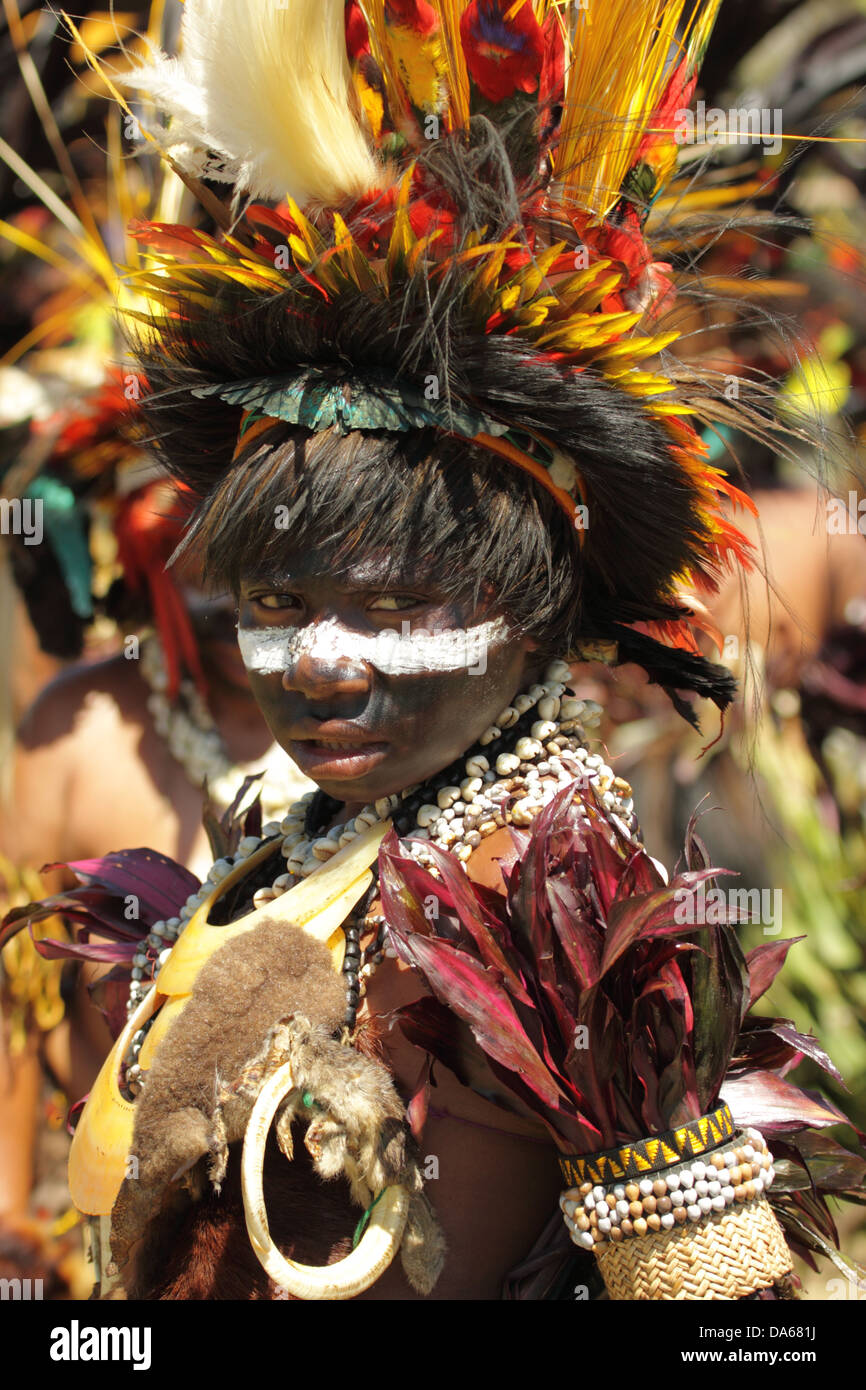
[(358, 733)]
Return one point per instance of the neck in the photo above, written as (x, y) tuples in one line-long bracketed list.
[(324, 815)]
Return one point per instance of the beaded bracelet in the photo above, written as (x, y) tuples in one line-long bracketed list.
[(738, 1173)]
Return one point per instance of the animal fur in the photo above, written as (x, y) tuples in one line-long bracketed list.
[(268, 997)]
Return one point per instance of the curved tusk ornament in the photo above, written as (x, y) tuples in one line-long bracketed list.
[(349, 1276)]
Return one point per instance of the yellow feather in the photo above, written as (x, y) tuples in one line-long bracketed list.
[(617, 67)]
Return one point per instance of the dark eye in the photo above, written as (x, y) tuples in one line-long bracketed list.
[(394, 603), (276, 601)]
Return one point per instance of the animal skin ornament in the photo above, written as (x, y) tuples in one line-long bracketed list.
[(264, 996)]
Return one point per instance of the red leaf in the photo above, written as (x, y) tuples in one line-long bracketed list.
[(462, 896), (809, 1046), (653, 915), (476, 996)]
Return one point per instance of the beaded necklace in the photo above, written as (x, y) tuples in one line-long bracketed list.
[(535, 748)]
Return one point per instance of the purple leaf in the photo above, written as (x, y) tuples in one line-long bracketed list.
[(157, 881), (776, 1106), (431, 1026), (809, 1046), (764, 964), (579, 938), (91, 950), (831, 1167)]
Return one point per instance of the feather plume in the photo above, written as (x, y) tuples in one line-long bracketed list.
[(267, 89)]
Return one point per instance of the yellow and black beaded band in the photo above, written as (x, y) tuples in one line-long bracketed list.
[(650, 1155)]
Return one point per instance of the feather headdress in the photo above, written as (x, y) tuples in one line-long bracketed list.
[(463, 243)]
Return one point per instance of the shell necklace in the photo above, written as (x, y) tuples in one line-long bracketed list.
[(535, 748), (496, 785)]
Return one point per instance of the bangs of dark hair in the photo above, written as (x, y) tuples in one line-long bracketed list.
[(420, 501)]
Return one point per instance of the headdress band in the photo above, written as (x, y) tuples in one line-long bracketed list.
[(319, 403)]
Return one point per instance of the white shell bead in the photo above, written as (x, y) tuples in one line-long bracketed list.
[(427, 815), (477, 765), (523, 703), (570, 708), (528, 748), (508, 717), (469, 786), (489, 735), (548, 708), (323, 848), (542, 729), (557, 671), (447, 796), (507, 763)]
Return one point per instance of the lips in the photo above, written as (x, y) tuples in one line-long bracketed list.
[(332, 760), (335, 750)]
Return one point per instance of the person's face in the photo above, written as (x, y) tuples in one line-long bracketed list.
[(373, 686)]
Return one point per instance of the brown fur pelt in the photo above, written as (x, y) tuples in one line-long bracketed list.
[(202, 1250), (268, 997)]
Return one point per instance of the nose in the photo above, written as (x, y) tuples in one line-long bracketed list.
[(322, 664)]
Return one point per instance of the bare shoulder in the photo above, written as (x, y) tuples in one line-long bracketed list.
[(87, 699), (82, 730)]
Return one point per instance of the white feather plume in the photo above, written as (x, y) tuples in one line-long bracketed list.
[(264, 85)]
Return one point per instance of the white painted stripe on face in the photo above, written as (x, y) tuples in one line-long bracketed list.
[(266, 650)]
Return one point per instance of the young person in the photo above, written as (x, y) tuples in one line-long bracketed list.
[(436, 465)]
